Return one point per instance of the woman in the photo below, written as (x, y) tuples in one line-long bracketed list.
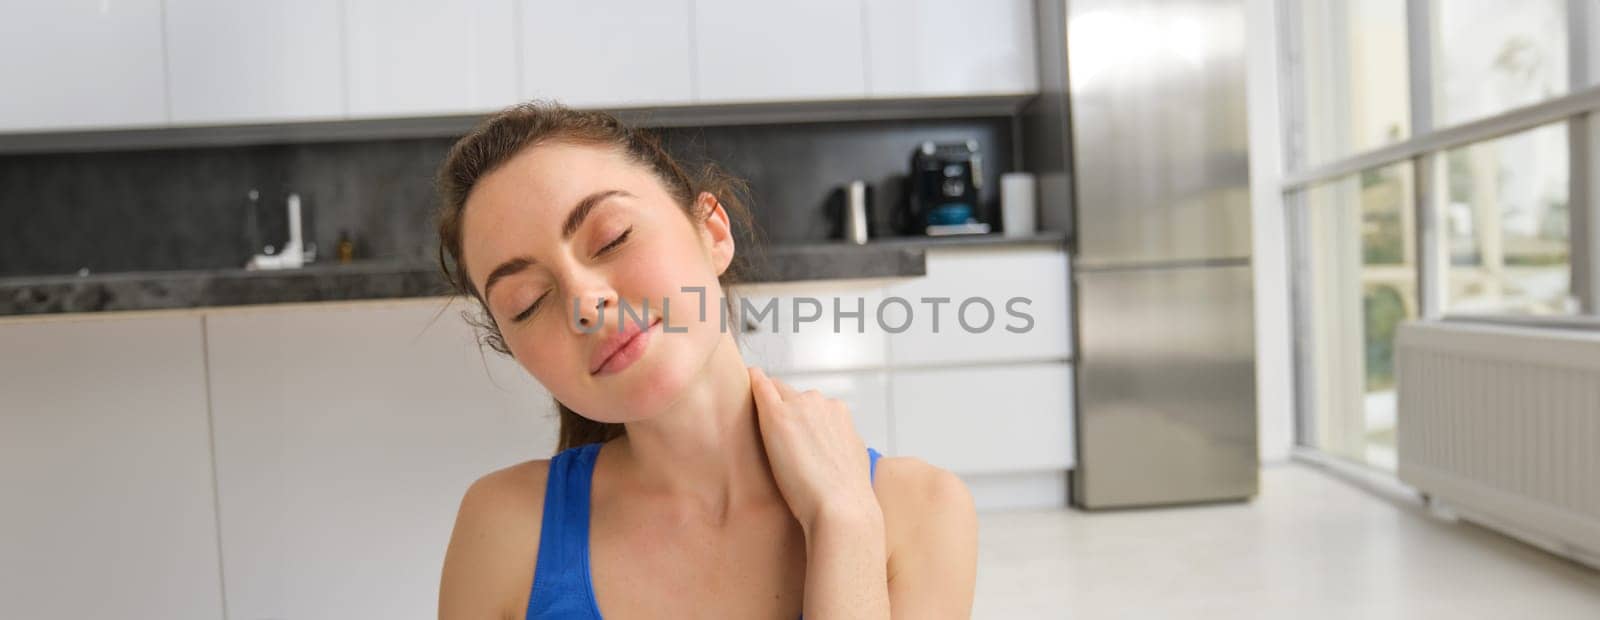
[(686, 484)]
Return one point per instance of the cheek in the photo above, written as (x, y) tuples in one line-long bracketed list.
[(547, 356), (664, 266), (692, 289)]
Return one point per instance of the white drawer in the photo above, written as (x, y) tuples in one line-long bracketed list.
[(994, 275), (987, 419), (816, 346), (867, 395)]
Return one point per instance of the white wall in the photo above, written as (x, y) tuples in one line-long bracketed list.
[(1274, 329)]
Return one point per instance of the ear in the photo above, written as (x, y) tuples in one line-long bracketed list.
[(716, 231)]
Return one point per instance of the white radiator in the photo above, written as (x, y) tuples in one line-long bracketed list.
[(1502, 423)]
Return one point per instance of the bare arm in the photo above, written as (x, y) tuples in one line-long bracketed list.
[(818, 461), (845, 565), (934, 570), (485, 567), (820, 464)]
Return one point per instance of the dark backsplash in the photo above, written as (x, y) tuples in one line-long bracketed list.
[(187, 208)]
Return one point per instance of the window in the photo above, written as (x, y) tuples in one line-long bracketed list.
[(1510, 226), (1508, 221), (1491, 56), (1361, 284), (1354, 80)]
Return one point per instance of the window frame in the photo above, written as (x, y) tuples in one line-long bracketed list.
[(1425, 148)]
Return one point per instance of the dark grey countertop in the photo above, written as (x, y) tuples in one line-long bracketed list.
[(390, 279)]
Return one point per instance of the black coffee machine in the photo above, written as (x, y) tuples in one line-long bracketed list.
[(944, 191)]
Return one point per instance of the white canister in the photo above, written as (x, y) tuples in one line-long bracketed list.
[(855, 212), (1018, 204)]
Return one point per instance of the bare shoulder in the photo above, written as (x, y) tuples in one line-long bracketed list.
[(488, 567), (931, 532), (915, 495), (914, 480)]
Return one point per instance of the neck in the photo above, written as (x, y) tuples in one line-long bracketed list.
[(705, 450)]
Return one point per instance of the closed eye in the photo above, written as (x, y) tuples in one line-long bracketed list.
[(615, 242), (531, 307), (522, 316), (607, 248)]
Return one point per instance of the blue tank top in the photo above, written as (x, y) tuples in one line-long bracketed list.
[(561, 578)]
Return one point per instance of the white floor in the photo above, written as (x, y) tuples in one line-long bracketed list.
[(1309, 546)]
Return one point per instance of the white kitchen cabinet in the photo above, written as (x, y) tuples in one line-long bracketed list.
[(345, 437), (79, 64), (422, 57), (608, 53), (866, 393), (1035, 275), (243, 61), (780, 342), (105, 458), (950, 47), (985, 419), (776, 51)]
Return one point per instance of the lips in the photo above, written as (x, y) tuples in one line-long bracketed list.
[(616, 342)]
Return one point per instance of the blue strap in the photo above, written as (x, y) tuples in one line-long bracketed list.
[(561, 587)]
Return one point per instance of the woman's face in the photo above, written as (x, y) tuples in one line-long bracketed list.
[(525, 227)]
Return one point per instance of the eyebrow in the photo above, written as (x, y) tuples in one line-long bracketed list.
[(574, 220)]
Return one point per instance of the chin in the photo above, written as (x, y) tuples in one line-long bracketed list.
[(642, 390), (660, 379)]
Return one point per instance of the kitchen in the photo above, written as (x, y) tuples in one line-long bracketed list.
[(238, 385)]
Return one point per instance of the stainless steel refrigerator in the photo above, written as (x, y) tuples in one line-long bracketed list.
[(1139, 139)]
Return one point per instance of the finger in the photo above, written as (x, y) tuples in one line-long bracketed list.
[(788, 393), (763, 389)]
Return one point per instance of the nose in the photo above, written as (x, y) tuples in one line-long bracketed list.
[(589, 311)]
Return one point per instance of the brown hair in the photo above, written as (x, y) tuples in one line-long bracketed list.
[(511, 131)]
